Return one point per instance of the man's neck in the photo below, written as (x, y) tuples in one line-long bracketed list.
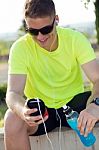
[(54, 45)]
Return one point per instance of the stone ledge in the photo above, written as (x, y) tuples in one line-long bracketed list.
[(69, 140), (1, 132)]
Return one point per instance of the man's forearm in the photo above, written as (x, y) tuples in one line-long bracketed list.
[(95, 92), (15, 102), (93, 107)]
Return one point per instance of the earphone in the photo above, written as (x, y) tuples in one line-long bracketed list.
[(56, 22)]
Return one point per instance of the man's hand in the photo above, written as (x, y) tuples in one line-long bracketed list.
[(87, 119), (32, 120)]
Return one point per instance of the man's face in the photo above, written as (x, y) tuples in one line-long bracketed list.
[(42, 30)]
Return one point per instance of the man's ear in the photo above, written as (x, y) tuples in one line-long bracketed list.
[(56, 22), (56, 19)]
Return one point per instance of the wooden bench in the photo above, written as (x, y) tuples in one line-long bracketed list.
[(69, 140)]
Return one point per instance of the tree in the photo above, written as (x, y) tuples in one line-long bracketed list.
[(96, 4), (23, 26), (97, 18)]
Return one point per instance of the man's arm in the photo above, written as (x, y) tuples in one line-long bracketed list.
[(15, 92), (90, 115), (16, 101), (91, 69)]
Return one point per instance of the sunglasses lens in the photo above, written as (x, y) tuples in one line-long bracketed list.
[(46, 30), (33, 31)]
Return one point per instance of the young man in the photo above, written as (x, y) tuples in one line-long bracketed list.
[(46, 63)]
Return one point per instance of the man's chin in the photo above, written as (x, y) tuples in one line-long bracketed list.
[(43, 44)]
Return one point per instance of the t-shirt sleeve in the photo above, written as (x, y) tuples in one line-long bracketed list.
[(83, 49), (17, 59)]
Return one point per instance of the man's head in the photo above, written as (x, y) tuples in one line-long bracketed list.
[(40, 17), (39, 8)]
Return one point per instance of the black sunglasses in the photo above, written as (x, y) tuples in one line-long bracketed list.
[(45, 30)]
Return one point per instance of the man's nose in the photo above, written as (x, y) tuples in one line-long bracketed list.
[(40, 36)]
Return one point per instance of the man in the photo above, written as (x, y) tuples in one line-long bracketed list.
[(46, 63)]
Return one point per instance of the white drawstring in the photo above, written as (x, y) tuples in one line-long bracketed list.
[(60, 126)]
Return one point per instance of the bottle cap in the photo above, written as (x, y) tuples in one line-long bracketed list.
[(65, 106), (67, 110)]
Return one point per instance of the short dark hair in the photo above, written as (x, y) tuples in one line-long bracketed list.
[(39, 8)]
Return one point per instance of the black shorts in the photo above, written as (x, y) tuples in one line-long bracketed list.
[(78, 103)]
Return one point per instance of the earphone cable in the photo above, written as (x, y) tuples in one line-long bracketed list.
[(45, 126)]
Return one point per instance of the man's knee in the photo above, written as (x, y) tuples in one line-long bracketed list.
[(12, 123)]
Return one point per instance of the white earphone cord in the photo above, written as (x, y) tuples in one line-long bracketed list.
[(56, 113), (46, 130), (45, 126)]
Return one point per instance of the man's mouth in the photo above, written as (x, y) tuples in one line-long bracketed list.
[(43, 41)]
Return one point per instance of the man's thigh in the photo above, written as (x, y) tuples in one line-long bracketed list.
[(79, 102)]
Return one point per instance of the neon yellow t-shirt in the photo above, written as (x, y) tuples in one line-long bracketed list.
[(55, 77)]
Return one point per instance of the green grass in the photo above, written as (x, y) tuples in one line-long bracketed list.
[(87, 88), (3, 108), (3, 62), (4, 52)]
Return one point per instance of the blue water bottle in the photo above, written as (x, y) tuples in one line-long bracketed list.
[(72, 117)]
